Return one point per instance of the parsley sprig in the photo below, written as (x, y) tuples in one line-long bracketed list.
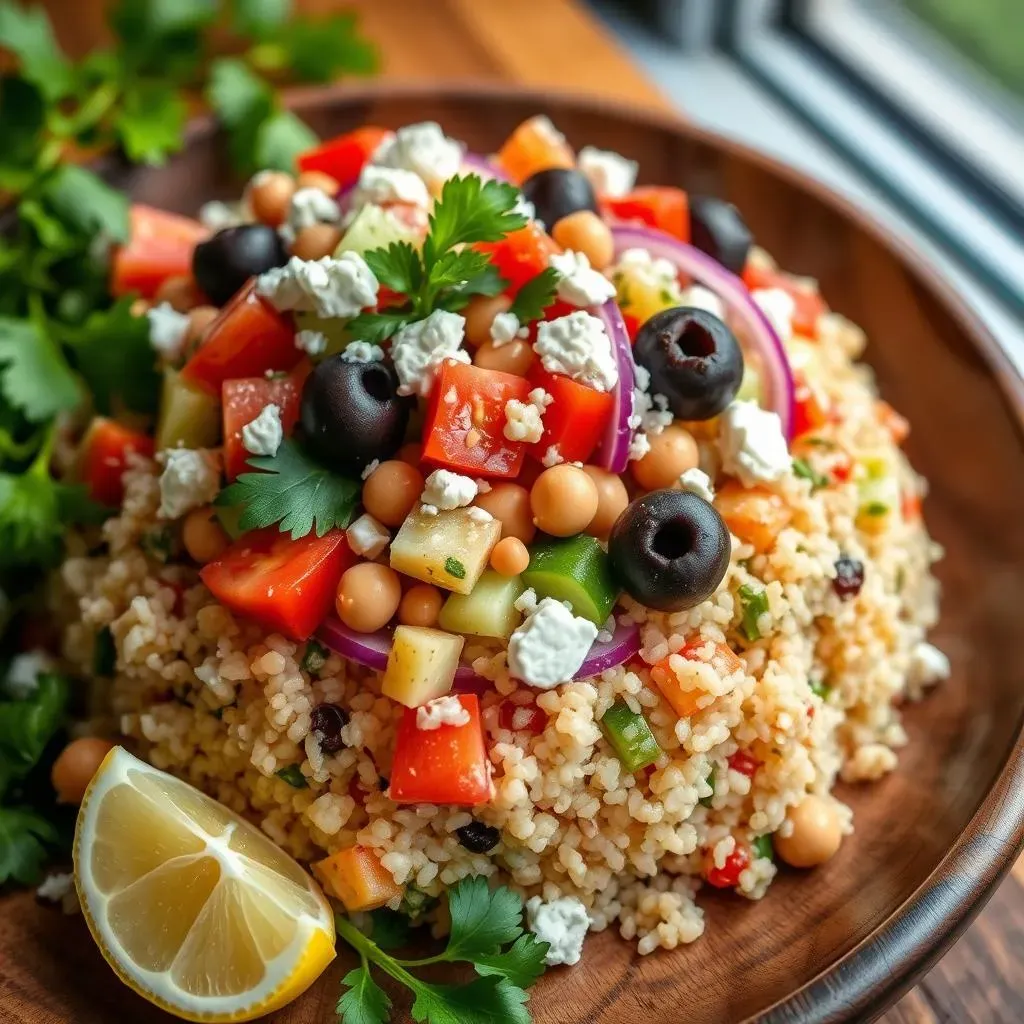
[(486, 932)]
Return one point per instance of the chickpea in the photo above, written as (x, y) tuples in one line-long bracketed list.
[(179, 291), (316, 241), (391, 491), (817, 833), (510, 505), (270, 195), (564, 501), (584, 231), (203, 536), (612, 500), (510, 557), (317, 179), (412, 453), (673, 451), (74, 768), (513, 357), (368, 596), (479, 313), (199, 320), (420, 606)]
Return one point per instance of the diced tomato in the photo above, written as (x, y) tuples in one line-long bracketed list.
[(632, 325), (910, 506), (809, 304), (159, 246), (521, 255), (284, 584), (728, 875), (522, 717), (344, 157), (660, 206), (575, 421), (243, 400), (535, 145), (104, 458), (447, 765), (810, 407), (465, 421), (745, 763), (247, 339)]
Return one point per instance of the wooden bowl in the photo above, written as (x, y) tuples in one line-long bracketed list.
[(934, 838)]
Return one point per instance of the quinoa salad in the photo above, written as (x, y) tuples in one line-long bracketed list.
[(503, 519)]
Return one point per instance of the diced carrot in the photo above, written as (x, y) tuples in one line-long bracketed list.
[(536, 145), (755, 515), (685, 702), (357, 878), (910, 506), (897, 425)]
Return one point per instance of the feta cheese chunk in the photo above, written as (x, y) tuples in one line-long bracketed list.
[(441, 711), (699, 297), (578, 346), (639, 446), (505, 328), (579, 284), (362, 352), (418, 349), (24, 672), (928, 665), (422, 148), (778, 306), (263, 435), (609, 172), (313, 343), (330, 286), (367, 537), (309, 206), (447, 490), (562, 923), (379, 185), (524, 420), (550, 646), (696, 481), (752, 444), (552, 457), (191, 478), (168, 331)]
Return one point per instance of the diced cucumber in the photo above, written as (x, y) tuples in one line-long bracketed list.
[(421, 665), (189, 417), (642, 294), (750, 386), (630, 736), (574, 570), (488, 611), (375, 228)]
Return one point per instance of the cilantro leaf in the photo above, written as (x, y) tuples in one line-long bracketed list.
[(280, 139), (398, 267), (456, 268), (471, 210), (521, 964), (295, 492), (30, 526), (482, 920), (319, 49), (390, 928), (257, 17), (151, 122), (87, 202), (34, 377), (378, 327), (485, 1000), (26, 32), (27, 725), (22, 115), (754, 602), (364, 1001), (235, 93), (24, 839), (535, 296)]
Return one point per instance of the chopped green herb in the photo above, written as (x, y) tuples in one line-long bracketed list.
[(292, 774), (455, 568), (820, 442), (390, 929), (414, 901), (705, 801), (901, 579), (104, 654), (875, 508), (763, 847), (535, 296), (754, 603), (666, 296), (802, 468), (819, 688), (315, 657), (630, 736), (157, 543)]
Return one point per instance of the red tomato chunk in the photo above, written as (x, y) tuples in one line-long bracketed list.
[(660, 206), (745, 763), (575, 421), (521, 255), (809, 304), (522, 717), (105, 452), (727, 876), (344, 157), (159, 246)]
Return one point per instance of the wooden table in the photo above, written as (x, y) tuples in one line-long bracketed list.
[(558, 44)]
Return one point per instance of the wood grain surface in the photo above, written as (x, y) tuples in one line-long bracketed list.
[(51, 974)]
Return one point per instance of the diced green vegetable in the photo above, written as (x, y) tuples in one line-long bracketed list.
[(574, 570), (229, 516), (878, 494), (819, 688), (189, 417), (421, 665), (763, 847), (488, 611), (630, 736), (375, 228), (292, 774), (754, 603), (802, 468), (315, 657), (705, 801), (750, 385), (104, 654), (455, 568)]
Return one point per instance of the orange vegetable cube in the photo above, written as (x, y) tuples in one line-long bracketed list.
[(685, 702), (897, 425), (755, 515), (357, 878), (536, 145)]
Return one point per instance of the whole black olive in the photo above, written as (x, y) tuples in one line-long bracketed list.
[(557, 192), (717, 228), (669, 550), (351, 413), (223, 263), (478, 837), (694, 360)]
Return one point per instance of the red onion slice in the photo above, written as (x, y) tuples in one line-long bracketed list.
[(483, 166), (613, 451), (758, 333)]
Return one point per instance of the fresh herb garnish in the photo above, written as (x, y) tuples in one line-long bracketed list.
[(754, 603), (455, 568), (292, 774), (315, 657), (705, 801), (486, 931), (802, 468), (819, 688), (876, 508), (764, 847), (535, 296)]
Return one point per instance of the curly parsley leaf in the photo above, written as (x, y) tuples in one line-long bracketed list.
[(294, 492), (34, 376), (535, 296), (26, 839), (363, 1001), (26, 32), (471, 210)]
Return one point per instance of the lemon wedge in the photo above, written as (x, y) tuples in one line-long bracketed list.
[(193, 907)]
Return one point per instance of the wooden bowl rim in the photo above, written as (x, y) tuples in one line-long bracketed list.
[(875, 972)]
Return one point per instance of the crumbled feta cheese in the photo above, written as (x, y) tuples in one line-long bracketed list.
[(552, 457), (550, 646), (441, 711), (191, 478), (609, 172), (312, 342), (657, 274), (264, 434), (562, 923), (56, 887), (752, 444), (379, 185), (524, 421), (419, 348), (525, 208), (578, 346), (309, 206), (578, 283), (330, 286), (928, 665), (505, 328), (479, 515), (429, 510), (651, 413), (696, 481), (368, 470), (217, 216), (639, 446), (168, 331), (447, 490), (778, 306), (367, 537), (699, 297), (362, 352), (422, 148), (482, 486), (526, 602), (24, 672)]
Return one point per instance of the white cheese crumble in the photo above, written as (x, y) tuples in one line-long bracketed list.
[(552, 457), (752, 444), (505, 327), (447, 490), (609, 172), (422, 148), (367, 537), (362, 352), (309, 206), (639, 446), (25, 669), (778, 306), (419, 348), (479, 515), (56, 887), (578, 346), (550, 645), (191, 478), (168, 331), (368, 470), (264, 434), (525, 208), (217, 215), (928, 665), (524, 421), (562, 923), (379, 185), (657, 274), (699, 297), (578, 283), (696, 481), (441, 711), (313, 343), (330, 286), (651, 413)]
